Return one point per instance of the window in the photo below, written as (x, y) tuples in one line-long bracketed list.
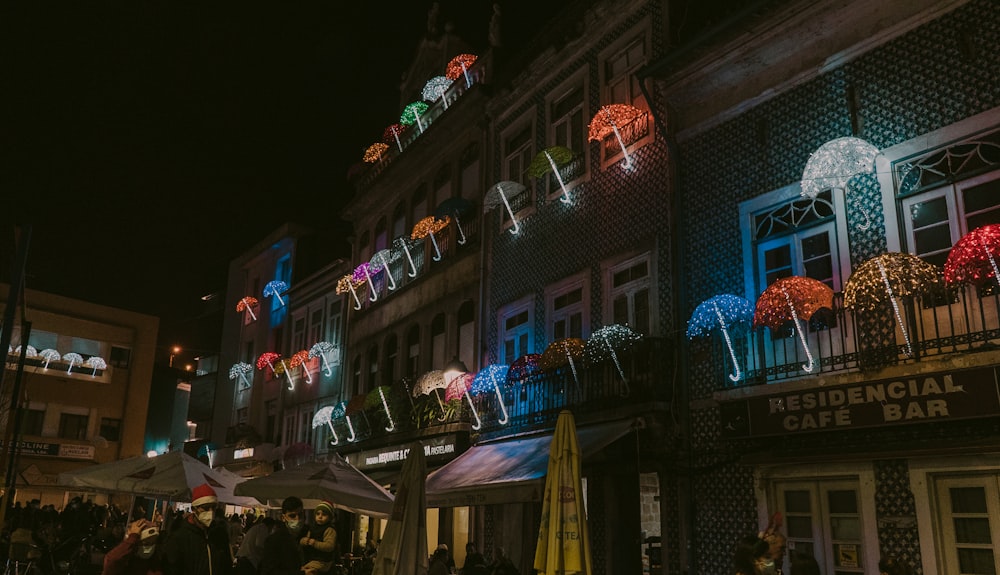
[(566, 305), (824, 519), (248, 355), (315, 326), (442, 183), (381, 235), (120, 357), (33, 422), (111, 429), (305, 427), (372, 367), (471, 187), (467, 334), (568, 128), (413, 352), (364, 246), (399, 220), (969, 518), (289, 431), (439, 354), (630, 294), (242, 416), (356, 375), (391, 350), (73, 425), (419, 205), (621, 86), (518, 152), (333, 325), (515, 321), (298, 334)]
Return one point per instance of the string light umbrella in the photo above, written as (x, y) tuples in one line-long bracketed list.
[(727, 313), (357, 405), (340, 411), (324, 416), (606, 342), (524, 368), (890, 276), (973, 258), (380, 263), (454, 208), (300, 359), (276, 288), (500, 194), (391, 134), (427, 227), (431, 383), (247, 304), (49, 355), (459, 66), (349, 284), (374, 152), (609, 120), (95, 363), (239, 371), (833, 165), (435, 88), (29, 351), (268, 359), (363, 273), (377, 397), (411, 115), (72, 358), (489, 379), (550, 160), (561, 352), (460, 387), (404, 243), (789, 299), (320, 349)]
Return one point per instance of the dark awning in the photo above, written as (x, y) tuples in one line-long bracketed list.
[(510, 470)]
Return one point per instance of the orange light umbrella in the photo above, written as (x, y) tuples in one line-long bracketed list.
[(789, 299)]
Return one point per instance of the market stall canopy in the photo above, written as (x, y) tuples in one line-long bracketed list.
[(510, 470), (337, 481)]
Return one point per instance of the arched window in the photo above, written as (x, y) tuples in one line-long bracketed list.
[(364, 247), (413, 352), (467, 334), (356, 376), (372, 367), (381, 235), (399, 220), (438, 338), (391, 354), (419, 203)]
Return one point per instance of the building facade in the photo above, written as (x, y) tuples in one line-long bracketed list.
[(869, 421)]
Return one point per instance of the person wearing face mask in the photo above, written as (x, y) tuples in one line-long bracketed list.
[(191, 549), (138, 553), (282, 552)]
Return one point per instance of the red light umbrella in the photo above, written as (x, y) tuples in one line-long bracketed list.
[(459, 66), (301, 358), (609, 120), (391, 134), (788, 299), (460, 387), (973, 257)]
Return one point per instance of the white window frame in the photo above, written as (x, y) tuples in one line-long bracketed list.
[(576, 81), (526, 121), (511, 310), (642, 32), (767, 480), (608, 270), (569, 284)]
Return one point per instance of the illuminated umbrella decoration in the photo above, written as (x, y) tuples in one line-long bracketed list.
[(411, 115), (566, 351), (377, 397), (29, 351), (363, 273), (973, 258), (246, 304), (789, 299), (340, 410), (391, 135), (349, 284), (489, 378), (833, 165), (381, 260), (276, 288), (435, 88), (95, 363), (301, 358), (459, 387), (431, 382), (403, 243), (499, 194), (455, 208), (268, 359), (889, 276), (49, 355), (374, 152), (524, 367), (726, 312), (325, 417), (608, 120), (458, 66), (607, 342), (549, 160), (72, 358), (320, 349), (239, 371), (427, 227)]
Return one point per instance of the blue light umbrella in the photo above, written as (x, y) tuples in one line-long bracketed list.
[(727, 312), (489, 379)]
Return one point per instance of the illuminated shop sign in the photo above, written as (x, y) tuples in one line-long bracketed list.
[(435, 449), (918, 399)]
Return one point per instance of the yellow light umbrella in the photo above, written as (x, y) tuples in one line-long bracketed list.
[(563, 536)]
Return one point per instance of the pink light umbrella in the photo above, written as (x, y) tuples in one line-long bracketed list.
[(363, 273), (459, 387)]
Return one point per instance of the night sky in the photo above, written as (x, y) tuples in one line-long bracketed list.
[(148, 144)]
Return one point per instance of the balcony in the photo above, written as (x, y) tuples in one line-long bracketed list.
[(955, 321), (531, 404)]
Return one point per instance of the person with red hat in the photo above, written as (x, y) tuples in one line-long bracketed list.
[(197, 547), (137, 554)]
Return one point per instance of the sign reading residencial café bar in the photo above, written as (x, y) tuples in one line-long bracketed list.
[(915, 399)]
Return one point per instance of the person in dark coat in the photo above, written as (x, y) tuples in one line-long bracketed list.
[(191, 549), (138, 553), (282, 552)]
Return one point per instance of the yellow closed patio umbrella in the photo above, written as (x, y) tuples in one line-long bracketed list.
[(563, 536)]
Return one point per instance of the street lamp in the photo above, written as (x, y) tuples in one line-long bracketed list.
[(453, 369), (173, 352)]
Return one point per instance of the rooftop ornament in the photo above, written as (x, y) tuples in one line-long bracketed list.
[(435, 88), (276, 288), (609, 120), (835, 163), (411, 114)]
